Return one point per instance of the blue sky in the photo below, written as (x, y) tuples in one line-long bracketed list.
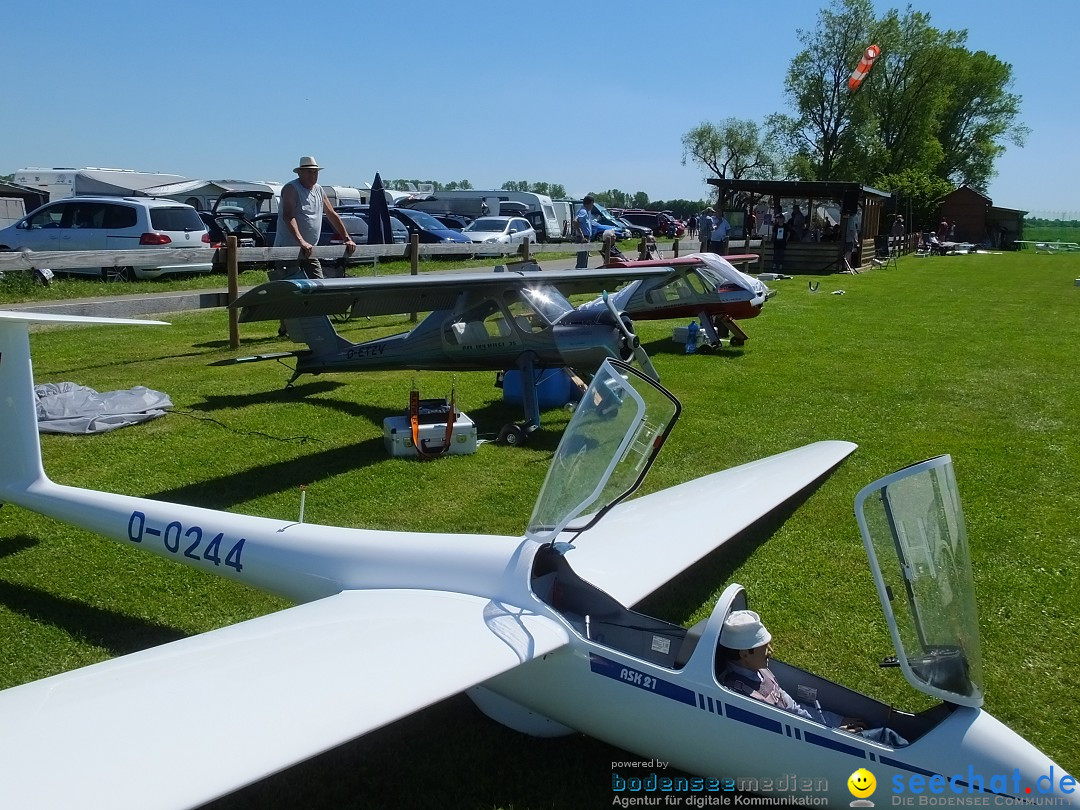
[(591, 95)]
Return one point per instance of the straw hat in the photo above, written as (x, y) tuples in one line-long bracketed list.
[(743, 630), (307, 162)]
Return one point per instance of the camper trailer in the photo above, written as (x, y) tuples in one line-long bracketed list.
[(67, 182), (537, 208), (345, 195)]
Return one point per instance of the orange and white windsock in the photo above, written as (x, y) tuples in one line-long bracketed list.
[(867, 62)]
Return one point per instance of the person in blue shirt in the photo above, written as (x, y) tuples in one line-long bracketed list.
[(584, 226), (719, 238)]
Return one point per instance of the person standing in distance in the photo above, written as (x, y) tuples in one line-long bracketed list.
[(299, 224), (584, 225)]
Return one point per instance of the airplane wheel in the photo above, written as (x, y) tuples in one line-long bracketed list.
[(511, 435), (738, 342)]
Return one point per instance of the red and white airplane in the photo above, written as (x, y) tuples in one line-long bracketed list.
[(702, 285)]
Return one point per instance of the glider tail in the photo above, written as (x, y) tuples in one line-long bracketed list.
[(20, 449)]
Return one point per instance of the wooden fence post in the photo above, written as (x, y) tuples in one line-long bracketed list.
[(232, 268), (414, 260), (675, 248), (524, 250)]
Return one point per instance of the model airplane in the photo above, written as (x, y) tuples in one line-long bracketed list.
[(477, 321), (535, 627), (702, 285)]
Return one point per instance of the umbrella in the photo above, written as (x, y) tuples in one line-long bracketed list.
[(379, 231)]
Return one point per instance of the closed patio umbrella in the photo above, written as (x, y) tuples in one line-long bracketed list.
[(379, 230)]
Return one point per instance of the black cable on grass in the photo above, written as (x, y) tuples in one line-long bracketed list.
[(299, 439)]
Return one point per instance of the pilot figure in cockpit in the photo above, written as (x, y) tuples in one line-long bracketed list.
[(742, 660)]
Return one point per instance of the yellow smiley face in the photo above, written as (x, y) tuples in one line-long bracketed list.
[(862, 783)]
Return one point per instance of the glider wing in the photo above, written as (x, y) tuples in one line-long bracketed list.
[(643, 543), (183, 723)]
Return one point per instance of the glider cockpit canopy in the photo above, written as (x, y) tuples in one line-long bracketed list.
[(609, 445)]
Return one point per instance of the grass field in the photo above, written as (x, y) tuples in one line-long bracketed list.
[(969, 355)]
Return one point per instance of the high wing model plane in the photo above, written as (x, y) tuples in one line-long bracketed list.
[(477, 321), (535, 627), (702, 285)]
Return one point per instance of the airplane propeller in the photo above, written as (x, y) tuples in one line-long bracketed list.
[(633, 342)]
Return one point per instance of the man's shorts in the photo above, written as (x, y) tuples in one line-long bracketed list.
[(297, 268)]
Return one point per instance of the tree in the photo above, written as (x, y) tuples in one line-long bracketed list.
[(555, 190), (919, 193), (905, 91), (829, 133), (979, 114), (734, 148), (929, 104), (458, 184)]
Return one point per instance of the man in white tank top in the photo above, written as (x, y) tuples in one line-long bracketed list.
[(299, 224)]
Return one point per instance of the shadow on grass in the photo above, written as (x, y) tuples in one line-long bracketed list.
[(17, 543), (665, 347), (118, 633), (229, 490), (112, 363), (489, 419), (442, 757), (306, 392)]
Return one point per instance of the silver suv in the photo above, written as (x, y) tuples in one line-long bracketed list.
[(112, 223)]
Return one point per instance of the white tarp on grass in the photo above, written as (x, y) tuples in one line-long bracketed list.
[(71, 408)]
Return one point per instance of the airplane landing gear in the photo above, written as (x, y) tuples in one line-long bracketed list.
[(513, 434)]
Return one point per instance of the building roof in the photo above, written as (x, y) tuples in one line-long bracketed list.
[(815, 189)]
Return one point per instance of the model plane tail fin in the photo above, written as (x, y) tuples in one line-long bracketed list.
[(20, 449), (318, 333)]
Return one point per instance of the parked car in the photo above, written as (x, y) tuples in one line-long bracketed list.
[(636, 231), (499, 231), (428, 229), (608, 221), (454, 222), (355, 223), (222, 225), (661, 223), (113, 223)]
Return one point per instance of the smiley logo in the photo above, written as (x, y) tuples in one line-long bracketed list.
[(862, 783)]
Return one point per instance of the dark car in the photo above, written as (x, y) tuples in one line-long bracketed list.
[(454, 222), (428, 229), (636, 231), (355, 223), (222, 225), (661, 223)]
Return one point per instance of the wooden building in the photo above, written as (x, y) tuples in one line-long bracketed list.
[(812, 252), (979, 221)]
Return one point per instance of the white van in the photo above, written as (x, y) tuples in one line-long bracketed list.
[(113, 223)]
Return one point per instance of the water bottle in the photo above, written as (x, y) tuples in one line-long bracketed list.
[(691, 337)]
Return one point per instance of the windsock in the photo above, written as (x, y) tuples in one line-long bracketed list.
[(867, 62)]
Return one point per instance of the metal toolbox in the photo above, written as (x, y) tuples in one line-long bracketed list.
[(397, 437)]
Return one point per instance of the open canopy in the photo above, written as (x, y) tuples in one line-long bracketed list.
[(611, 441), (914, 534)]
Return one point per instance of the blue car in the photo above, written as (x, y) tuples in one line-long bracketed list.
[(429, 230)]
